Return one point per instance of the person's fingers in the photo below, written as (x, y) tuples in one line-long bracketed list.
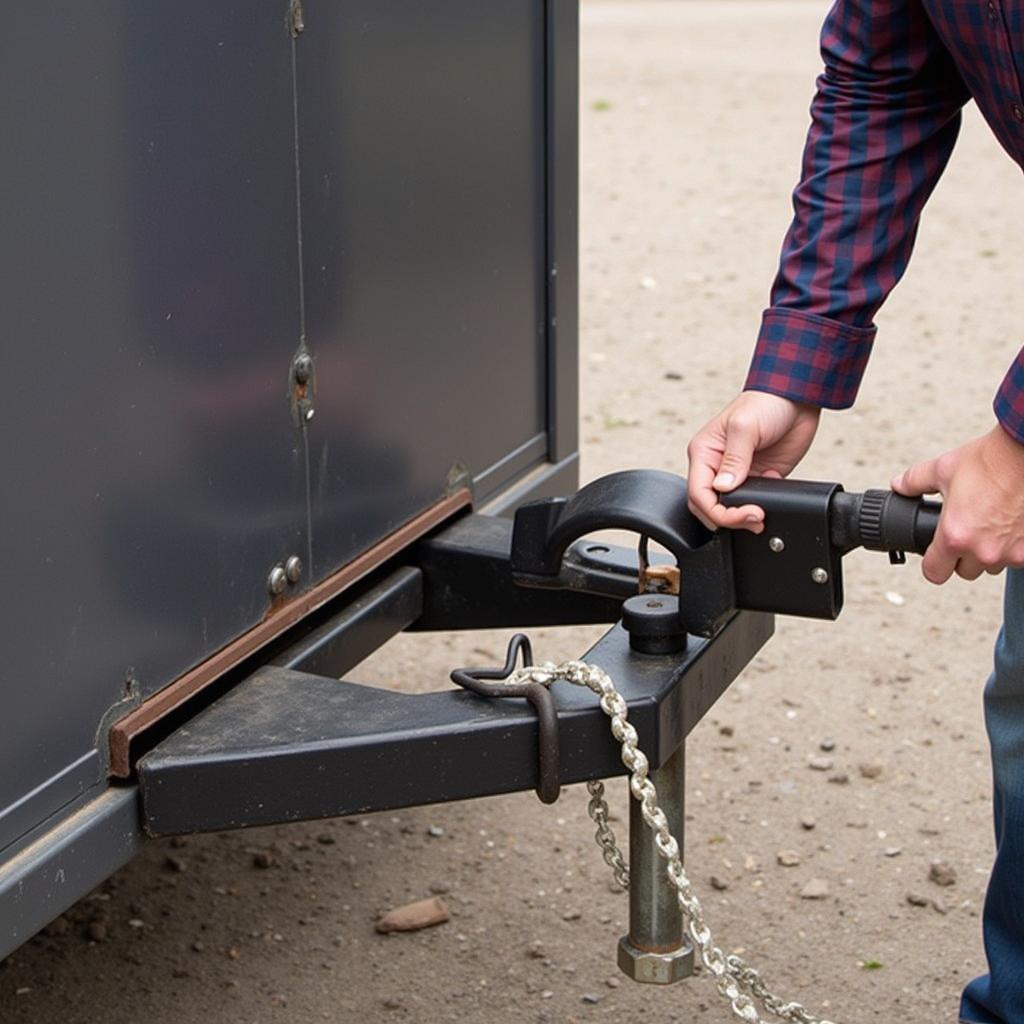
[(939, 560), (922, 478), (740, 443), (701, 496), (969, 567)]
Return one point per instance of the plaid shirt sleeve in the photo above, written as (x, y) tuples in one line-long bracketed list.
[(883, 124)]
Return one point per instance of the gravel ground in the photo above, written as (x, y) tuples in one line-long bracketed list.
[(856, 749)]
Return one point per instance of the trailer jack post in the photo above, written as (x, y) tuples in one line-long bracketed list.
[(656, 952)]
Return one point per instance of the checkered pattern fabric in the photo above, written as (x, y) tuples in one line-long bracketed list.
[(884, 121)]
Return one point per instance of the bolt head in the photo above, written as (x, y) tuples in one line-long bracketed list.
[(819, 575), (293, 569), (277, 581), (303, 368), (776, 544), (655, 968)]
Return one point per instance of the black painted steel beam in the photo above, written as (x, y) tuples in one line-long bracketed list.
[(287, 746)]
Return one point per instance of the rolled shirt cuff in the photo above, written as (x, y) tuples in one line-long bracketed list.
[(810, 358)]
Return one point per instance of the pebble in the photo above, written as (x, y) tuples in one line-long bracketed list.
[(174, 863), (840, 778), (719, 883), (439, 888), (828, 745), (726, 730), (915, 899), (59, 926), (788, 858), (435, 831), (807, 823), (870, 770), (536, 950), (414, 916), (821, 764), (591, 998), (326, 839), (612, 982), (262, 859), (941, 873), (815, 889), (892, 851), (97, 931), (572, 915)]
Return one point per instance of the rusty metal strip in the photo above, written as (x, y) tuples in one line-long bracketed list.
[(281, 616)]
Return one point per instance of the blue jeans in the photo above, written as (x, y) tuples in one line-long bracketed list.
[(998, 997)]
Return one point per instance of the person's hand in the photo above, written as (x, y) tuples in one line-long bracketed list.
[(981, 528), (757, 434)]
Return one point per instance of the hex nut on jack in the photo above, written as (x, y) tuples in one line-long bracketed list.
[(655, 968)]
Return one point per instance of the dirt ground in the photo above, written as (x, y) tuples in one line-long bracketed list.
[(692, 119)]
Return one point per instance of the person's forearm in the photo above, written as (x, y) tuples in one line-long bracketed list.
[(884, 122)]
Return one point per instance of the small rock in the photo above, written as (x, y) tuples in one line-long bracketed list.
[(179, 842), (915, 899), (815, 889), (939, 907), (840, 778), (726, 730), (326, 839), (788, 858), (546, 994), (137, 923), (536, 950), (719, 883), (439, 888), (612, 982), (59, 926), (821, 764), (176, 864), (870, 770), (97, 931), (896, 599), (673, 375), (572, 915), (392, 1004), (892, 851), (828, 745), (414, 916), (591, 998), (435, 831), (941, 873), (198, 946), (807, 823), (262, 859)]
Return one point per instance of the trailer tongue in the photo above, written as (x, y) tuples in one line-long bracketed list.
[(291, 742)]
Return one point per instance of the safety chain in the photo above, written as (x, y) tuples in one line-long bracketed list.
[(736, 981)]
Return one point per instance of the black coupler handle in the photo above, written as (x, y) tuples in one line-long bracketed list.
[(792, 567)]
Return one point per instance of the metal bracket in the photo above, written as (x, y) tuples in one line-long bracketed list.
[(483, 681)]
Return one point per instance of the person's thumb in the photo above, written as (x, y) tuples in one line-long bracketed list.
[(740, 443), (922, 478)]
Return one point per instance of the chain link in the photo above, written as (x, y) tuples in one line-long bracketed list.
[(737, 982)]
